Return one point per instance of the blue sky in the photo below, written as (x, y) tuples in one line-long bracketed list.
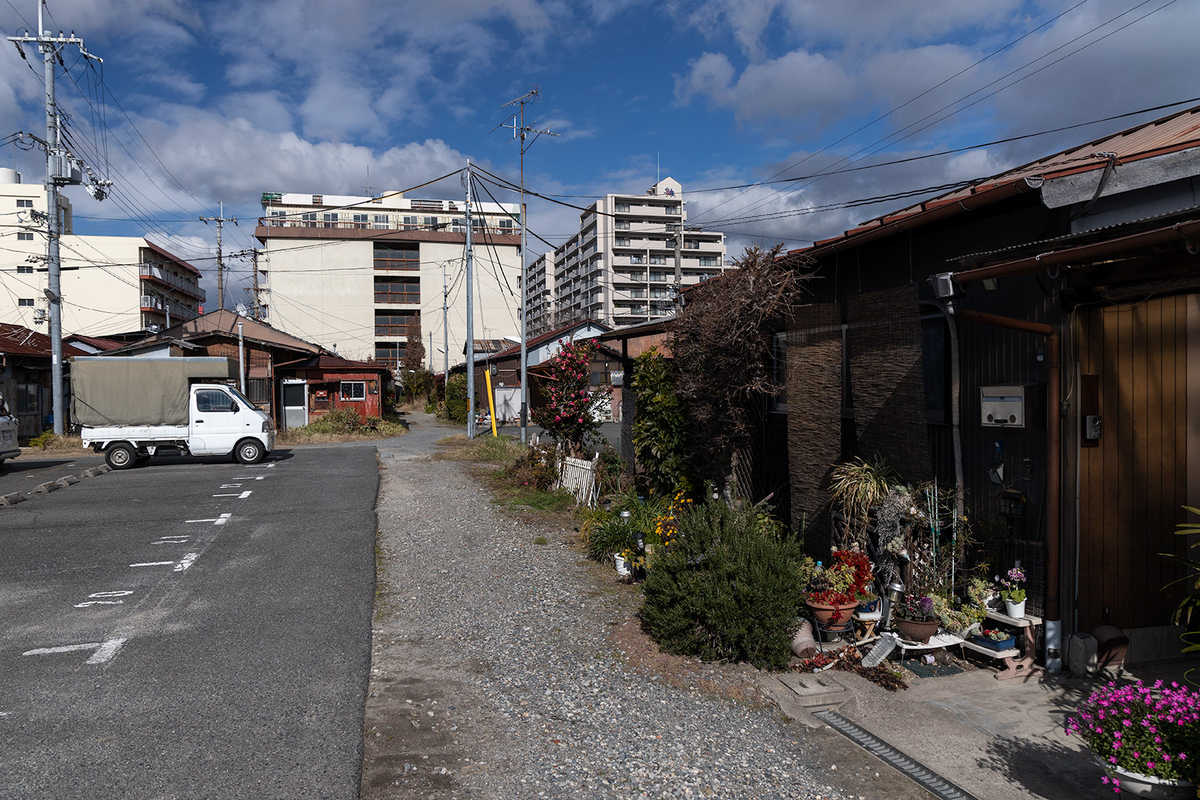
[(221, 101)]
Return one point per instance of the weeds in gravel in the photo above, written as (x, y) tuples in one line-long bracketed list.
[(501, 450), (342, 425), (51, 442)]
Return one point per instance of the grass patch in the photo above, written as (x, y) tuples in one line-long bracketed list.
[(541, 540), (502, 450), (343, 425), (52, 443)]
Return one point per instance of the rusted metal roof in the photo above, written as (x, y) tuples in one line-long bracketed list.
[(16, 340), (1172, 133)]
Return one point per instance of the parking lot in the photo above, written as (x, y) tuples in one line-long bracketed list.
[(190, 628)]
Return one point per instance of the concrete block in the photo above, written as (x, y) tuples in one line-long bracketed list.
[(11, 499), (67, 480), (92, 472), (46, 488)]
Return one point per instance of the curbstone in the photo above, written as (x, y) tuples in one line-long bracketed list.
[(11, 499), (91, 472), (67, 480), (46, 488)]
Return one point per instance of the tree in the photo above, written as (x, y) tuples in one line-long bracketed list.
[(722, 343), (414, 349), (568, 414), (659, 426)]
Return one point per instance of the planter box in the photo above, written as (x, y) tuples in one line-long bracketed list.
[(1005, 644)]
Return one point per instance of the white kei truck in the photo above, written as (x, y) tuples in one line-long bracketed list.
[(131, 409), (8, 432)]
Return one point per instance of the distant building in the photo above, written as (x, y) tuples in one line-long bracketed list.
[(364, 276), (109, 284), (620, 268)]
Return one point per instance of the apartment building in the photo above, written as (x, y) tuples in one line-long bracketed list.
[(365, 276), (109, 284), (631, 256)]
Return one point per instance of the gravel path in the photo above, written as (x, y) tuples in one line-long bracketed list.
[(494, 673)]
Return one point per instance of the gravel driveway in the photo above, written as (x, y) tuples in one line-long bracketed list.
[(499, 672)]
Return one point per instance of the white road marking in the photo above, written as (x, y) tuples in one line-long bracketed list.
[(104, 650), (186, 561), (221, 520), (249, 478), (241, 496), (173, 539), (152, 564), (92, 602), (230, 485)]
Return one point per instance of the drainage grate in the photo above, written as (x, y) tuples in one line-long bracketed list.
[(928, 779)]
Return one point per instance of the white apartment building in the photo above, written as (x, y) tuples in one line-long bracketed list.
[(621, 268), (109, 284), (361, 275)]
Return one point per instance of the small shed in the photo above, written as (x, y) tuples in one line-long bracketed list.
[(329, 382)]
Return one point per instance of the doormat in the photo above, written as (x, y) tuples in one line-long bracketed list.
[(931, 670)]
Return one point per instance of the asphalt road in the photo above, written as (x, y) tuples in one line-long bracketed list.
[(193, 628)]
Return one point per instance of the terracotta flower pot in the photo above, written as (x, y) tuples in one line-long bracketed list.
[(827, 615), (915, 631)]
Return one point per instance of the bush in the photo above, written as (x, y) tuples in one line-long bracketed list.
[(659, 426), (456, 399), (339, 420), (727, 589), (533, 468), (612, 535)]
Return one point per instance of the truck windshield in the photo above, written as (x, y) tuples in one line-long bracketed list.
[(234, 391)]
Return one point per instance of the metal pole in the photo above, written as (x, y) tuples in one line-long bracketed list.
[(53, 220), (241, 360), (470, 319), (445, 329), (679, 266), (524, 297)]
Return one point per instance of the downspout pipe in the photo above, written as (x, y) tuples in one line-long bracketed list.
[(1053, 468)]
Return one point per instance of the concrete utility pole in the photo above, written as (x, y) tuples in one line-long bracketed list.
[(220, 219), (257, 289), (62, 169), (445, 328), (470, 317), (678, 266), (522, 130)]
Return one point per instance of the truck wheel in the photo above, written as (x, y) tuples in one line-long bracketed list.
[(120, 456), (249, 451)]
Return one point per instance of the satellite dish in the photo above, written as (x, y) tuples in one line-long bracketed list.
[(242, 310)]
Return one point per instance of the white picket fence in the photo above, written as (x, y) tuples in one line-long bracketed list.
[(578, 476)]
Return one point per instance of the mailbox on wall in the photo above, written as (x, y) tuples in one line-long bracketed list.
[(1002, 406)]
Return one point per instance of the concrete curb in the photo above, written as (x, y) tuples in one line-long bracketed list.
[(11, 499), (47, 487), (67, 480)]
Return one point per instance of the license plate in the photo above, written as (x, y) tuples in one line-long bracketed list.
[(8, 435)]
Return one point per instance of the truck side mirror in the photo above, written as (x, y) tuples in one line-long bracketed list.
[(233, 406)]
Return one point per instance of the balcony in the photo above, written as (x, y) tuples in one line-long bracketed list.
[(492, 227), (177, 312), (155, 274)]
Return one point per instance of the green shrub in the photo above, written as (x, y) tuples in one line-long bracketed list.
[(339, 420), (431, 407), (660, 435), (456, 399), (726, 590), (43, 439)]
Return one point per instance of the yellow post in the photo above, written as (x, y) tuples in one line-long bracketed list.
[(487, 376)]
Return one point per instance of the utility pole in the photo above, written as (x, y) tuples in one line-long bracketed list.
[(445, 328), (522, 130), (220, 220), (470, 317), (678, 266), (62, 169), (254, 266)]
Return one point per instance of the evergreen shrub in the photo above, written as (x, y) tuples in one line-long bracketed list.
[(456, 399), (728, 588)]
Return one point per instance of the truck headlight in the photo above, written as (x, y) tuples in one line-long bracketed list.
[(266, 428)]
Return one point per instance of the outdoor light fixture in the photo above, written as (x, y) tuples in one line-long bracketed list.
[(895, 591)]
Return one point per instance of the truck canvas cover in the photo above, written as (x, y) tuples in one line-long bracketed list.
[(139, 391)]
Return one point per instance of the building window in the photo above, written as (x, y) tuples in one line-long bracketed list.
[(623, 207), (692, 245), (658, 276), (506, 224), (330, 220), (24, 204), (660, 293), (354, 390), (389, 354), (431, 223), (24, 269), (708, 261), (622, 241), (658, 259), (410, 223), (637, 260), (24, 237), (637, 293), (309, 219), (25, 302), (397, 290), (395, 323), (673, 211), (258, 391), (360, 220), (381, 222), (621, 224), (318, 199), (397, 256), (27, 398)]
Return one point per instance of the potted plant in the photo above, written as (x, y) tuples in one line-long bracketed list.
[(833, 594), (868, 602), (996, 639), (915, 618), (1013, 593), (1147, 737)]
